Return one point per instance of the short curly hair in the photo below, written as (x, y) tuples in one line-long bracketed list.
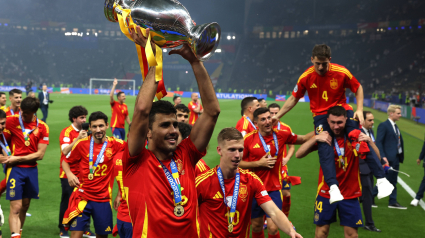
[(160, 107), (77, 111)]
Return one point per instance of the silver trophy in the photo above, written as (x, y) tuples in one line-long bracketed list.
[(170, 24)]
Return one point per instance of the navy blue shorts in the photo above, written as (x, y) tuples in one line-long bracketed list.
[(285, 185), (118, 133), (102, 218), (276, 197), (21, 183), (349, 212), (125, 229)]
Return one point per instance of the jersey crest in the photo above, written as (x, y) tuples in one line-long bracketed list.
[(243, 192), (334, 83), (108, 153), (180, 166)]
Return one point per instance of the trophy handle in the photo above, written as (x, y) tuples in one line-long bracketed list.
[(206, 40)]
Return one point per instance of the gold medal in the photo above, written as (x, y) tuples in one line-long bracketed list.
[(178, 210), (27, 143), (230, 228), (90, 176)]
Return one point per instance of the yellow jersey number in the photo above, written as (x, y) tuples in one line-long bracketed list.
[(325, 95), (236, 219), (104, 167), (319, 207), (12, 181)]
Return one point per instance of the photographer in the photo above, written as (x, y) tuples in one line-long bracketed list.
[(68, 137)]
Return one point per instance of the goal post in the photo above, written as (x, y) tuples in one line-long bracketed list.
[(133, 88)]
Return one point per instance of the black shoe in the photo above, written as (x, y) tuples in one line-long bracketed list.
[(371, 228), (397, 206)]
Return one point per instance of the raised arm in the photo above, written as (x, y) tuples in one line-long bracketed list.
[(359, 112), (310, 145), (111, 94), (289, 104), (143, 105), (202, 130)]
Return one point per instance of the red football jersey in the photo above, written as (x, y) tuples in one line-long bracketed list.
[(193, 116), (244, 126), (98, 189), (349, 180), (328, 90), (10, 112), (213, 211), (66, 137), (149, 194), (123, 213), (254, 151), (201, 167), (16, 139), (119, 113)]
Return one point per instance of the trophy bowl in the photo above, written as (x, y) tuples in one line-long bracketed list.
[(170, 24)]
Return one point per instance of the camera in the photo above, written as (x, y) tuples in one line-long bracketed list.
[(85, 127)]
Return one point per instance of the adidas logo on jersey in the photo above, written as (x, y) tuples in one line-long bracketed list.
[(359, 222), (313, 85), (217, 196), (256, 146), (108, 229)]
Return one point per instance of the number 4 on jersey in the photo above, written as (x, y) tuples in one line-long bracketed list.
[(325, 95)]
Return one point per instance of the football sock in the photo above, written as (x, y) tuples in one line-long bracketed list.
[(2, 186), (258, 234), (275, 236), (286, 206)]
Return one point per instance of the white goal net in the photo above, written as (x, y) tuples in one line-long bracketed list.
[(103, 86)]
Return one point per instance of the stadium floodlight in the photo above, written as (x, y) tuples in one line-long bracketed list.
[(133, 88)]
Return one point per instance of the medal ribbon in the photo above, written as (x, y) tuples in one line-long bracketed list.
[(26, 135), (235, 194), (338, 151), (99, 156), (266, 148), (5, 146), (255, 128), (278, 125), (12, 112), (173, 180)]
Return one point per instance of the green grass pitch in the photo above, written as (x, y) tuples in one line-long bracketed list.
[(393, 223)]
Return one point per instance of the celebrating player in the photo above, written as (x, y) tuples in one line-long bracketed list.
[(160, 180), (325, 83), (67, 139), (119, 113), (347, 173), (3, 101), (227, 192), (15, 98), (263, 152), (195, 108), (28, 138), (288, 152), (94, 155), (182, 113), (248, 106)]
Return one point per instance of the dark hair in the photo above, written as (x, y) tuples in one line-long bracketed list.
[(245, 102), (260, 111), (337, 111), (2, 114), (119, 94), (97, 116), (229, 133), (365, 114), (161, 107), (175, 97), (13, 91), (181, 107), (273, 105), (77, 111), (30, 104), (2, 93), (321, 52), (184, 129), (261, 99)]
